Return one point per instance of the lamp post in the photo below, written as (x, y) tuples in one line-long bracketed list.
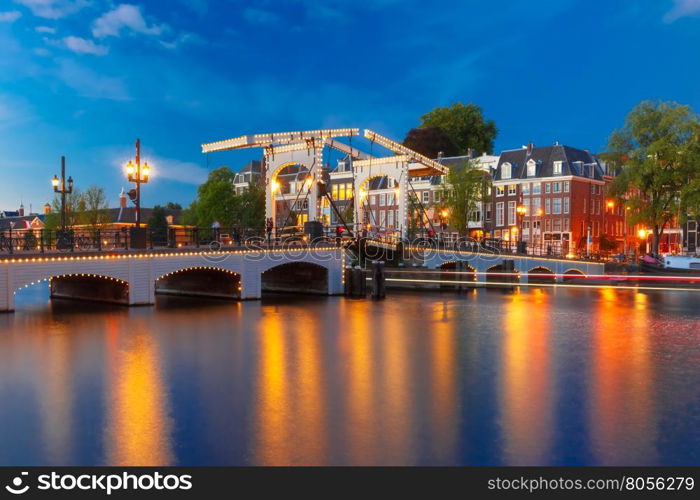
[(521, 210), (138, 175), (59, 186)]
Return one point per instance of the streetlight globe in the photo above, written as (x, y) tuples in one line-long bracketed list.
[(642, 233), (130, 168), (146, 169), (55, 181), (444, 214), (275, 186)]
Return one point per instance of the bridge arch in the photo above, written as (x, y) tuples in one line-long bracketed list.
[(499, 274), (84, 286), (299, 276), (573, 275), (200, 281), (466, 271), (541, 274)]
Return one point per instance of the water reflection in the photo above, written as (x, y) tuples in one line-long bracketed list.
[(139, 426), (532, 377), (622, 413), (527, 379)]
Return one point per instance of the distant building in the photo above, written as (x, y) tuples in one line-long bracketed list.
[(251, 172), (563, 190)]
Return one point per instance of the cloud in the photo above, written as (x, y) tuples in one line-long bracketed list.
[(183, 39), (10, 17), (164, 168), (53, 9), (124, 16), (682, 8), (83, 46), (88, 83), (45, 29), (258, 16)]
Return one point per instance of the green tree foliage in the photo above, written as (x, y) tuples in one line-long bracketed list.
[(430, 141), (158, 226), (658, 150), (88, 208), (217, 201), (465, 188), (173, 206), (94, 207), (464, 124)]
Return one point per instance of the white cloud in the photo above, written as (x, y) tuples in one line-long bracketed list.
[(10, 17), (83, 46), (45, 29), (682, 8), (124, 16), (258, 16), (165, 168), (53, 9), (88, 83)]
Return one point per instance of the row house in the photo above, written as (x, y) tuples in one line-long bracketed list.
[(563, 191)]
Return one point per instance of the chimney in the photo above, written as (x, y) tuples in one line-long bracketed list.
[(122, 199), (21, 210), (530, 147)]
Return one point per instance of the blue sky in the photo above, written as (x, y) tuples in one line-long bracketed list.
[(84, 78)]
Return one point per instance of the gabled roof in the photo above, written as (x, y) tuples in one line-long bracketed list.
[(576, 162)]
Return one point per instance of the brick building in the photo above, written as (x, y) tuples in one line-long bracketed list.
[(563, 190)]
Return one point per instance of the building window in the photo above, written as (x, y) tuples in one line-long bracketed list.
[(497, 233), (512, 189), (565, 224), (526, 188), (557, 225), (566, 205), (536, 188), (506, 171), (390, 218), (547, 206), (548, 225), (536, 205), (511, 213), (499, 213), (426, 196), (592, 188), (556, 206), (488, 212), (531, 168), (566, 186), (500, 190), (556, 187), (390, 199), (382, 200), (547, 187), (557, 167)]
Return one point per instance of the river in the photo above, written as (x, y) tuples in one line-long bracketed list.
[(490, 377)]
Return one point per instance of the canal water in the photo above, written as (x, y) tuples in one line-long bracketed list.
[(541, 376)]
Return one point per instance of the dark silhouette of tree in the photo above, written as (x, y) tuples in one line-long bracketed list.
[(430, 141)]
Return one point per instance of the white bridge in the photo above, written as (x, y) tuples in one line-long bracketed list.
[(134, 278)]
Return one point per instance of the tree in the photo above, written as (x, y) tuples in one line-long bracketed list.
[(658, 150), (430, 141), (252, 207), (465, 188), (158, 226), (215, 200), (53, 218), (94, 207), (173, 206), (464, 125)]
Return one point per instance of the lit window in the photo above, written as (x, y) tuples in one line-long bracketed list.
[(531, 168), (511, 213), (557, 167), (506, 171), (500, 190), (499, 214), (512, 188)]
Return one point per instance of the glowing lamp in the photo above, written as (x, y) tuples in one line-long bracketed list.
[(54, 182), (130, 169)]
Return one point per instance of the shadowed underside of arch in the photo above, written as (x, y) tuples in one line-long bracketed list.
[(200, 281), (297, 277), (90, 287), (541, 275)]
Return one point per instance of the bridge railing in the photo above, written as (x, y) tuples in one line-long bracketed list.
[(106, 240)]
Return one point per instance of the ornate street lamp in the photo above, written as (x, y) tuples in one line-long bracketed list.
[(138, 175), (60, 186), (521, 210)]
